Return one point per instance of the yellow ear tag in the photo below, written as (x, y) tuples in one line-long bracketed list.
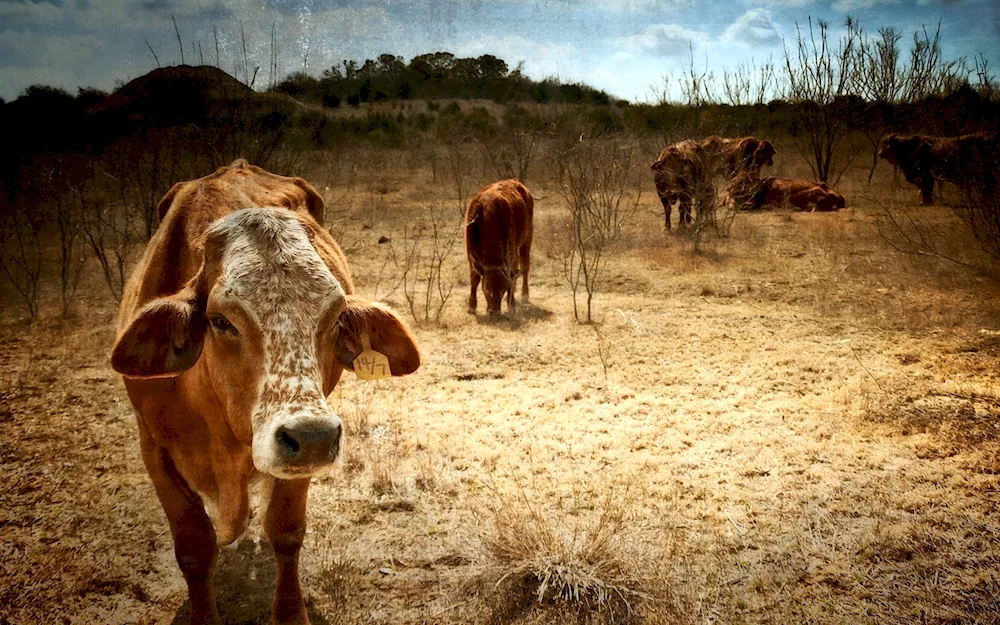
[(370, 364)]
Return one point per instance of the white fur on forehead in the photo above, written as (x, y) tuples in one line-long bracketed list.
[(267, 252)]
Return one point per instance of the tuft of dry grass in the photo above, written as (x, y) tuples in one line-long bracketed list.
[(576, 566)]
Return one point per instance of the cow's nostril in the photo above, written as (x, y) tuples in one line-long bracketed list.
[(287, 442)]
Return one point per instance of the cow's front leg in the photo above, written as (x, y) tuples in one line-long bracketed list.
[(667, 207), (285, 526), (194, 538), (684, 210)]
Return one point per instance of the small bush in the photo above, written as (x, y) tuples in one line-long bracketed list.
[(331, 100), (569, 567)]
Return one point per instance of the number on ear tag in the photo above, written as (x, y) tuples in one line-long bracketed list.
[(370, 364)]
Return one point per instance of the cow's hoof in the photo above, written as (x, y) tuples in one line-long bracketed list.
[(471, 310)]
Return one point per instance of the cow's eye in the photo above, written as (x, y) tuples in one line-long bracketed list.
[(221, 324)]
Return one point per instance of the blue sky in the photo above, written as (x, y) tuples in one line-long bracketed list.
[(626, 47)]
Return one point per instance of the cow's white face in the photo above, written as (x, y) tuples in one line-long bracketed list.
[(265, 313), (269, 328)]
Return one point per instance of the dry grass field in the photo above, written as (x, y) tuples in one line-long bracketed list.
[(796, 423)]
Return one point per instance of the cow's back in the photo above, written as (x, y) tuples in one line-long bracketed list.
[(175, 251), (498, 220)]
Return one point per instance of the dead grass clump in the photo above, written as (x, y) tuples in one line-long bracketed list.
[(383, 461), (341, 584), (574, 567), (903, 542), (963, 419)]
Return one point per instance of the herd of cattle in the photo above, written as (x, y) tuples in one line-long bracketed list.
[(686, 172), (240, 319)]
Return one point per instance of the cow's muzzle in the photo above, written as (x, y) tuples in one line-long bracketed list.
[(298, 445), (309, 444)]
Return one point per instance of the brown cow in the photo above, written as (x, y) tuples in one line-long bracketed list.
[(674, 175), (756, 193), (498, 231), (925, 159), (685, 169), (234, 327)]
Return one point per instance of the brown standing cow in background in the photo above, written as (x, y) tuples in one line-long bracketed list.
[(967, 159), (233, 329), (498, 231)]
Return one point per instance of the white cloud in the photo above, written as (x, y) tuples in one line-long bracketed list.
[(67, 61), (78, 50), (540, 59), (753, 28), (664, 40), (783, 4), (859, 5), (618, 6), (29, 13)]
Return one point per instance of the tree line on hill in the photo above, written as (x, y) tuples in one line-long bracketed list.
[(438, 75)]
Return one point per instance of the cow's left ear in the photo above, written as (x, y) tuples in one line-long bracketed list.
[(163, 340), (314, 201), (386, 332)]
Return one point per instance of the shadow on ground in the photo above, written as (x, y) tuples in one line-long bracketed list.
[(526, 312), (244, 587)]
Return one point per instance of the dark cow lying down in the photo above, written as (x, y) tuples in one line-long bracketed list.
[(924, 159), (685, 169), (498, 232), (233, 329), (803, 194)]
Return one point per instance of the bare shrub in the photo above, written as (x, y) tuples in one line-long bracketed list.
[(140, 170), (577, 566), (708, 189), (459, 165), (112, 231), (597, 188), (69, 221), (421, 258), (820, 78), (509, 150), (748, 84), (46, 204), (20, 247), (885, 80), (880, 79), (979, 206), (970, 234)]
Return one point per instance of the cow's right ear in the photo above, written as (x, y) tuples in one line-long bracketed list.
[(386, 333), (163, 340)]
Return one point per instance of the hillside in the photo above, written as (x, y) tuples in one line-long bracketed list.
[(174, 94)]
